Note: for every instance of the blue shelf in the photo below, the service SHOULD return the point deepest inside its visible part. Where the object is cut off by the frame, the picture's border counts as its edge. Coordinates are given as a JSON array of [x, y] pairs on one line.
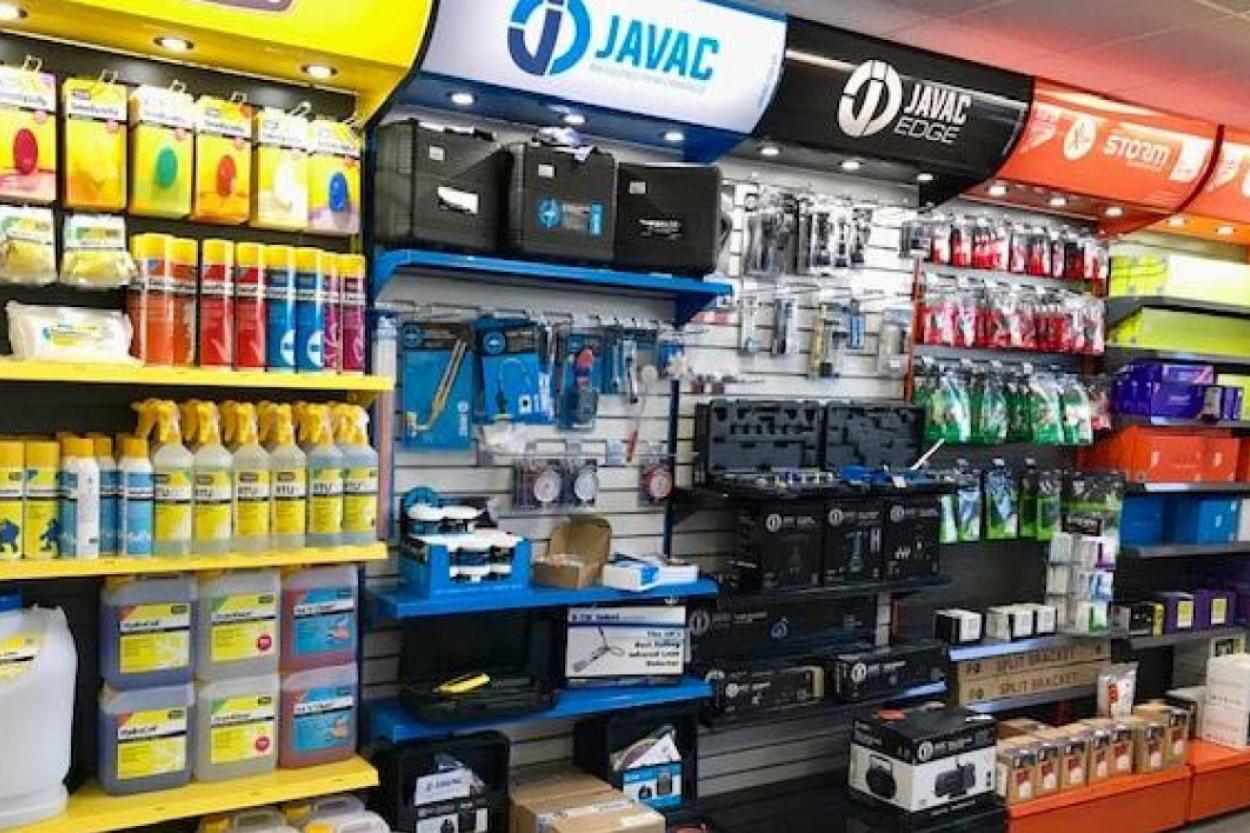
[[399, 602], [690, 296], [388, 720]]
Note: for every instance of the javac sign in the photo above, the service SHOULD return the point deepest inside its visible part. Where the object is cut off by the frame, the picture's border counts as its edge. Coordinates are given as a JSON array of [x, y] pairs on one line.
[[873, 99], [707, 62]]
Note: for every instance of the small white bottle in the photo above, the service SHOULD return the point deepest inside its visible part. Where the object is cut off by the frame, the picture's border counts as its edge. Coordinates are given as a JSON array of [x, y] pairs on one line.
[[134, 514], [79, 513]]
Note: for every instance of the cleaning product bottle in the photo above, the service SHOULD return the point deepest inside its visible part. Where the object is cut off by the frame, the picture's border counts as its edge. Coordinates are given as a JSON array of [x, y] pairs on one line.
[[325, 476], [318, 723], [288, 469], [79, 510], [110, 491], [213, 506], [145, 739], [147, 628], [134, 511], [38, 668], [236, 727], [302, 811], [41, 527], [251, 477], [319, 624], [12, 490], [238, 628], [360, 475], [172, 484]]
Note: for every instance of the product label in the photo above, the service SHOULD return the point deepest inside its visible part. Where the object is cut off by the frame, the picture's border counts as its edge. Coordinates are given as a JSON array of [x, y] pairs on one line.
[[171, 494], [136, 513], [251, 492], [290, 494], [243, 627], [241, 729], [158, 105], [17, 654], [360, 499], [323, 719], [87, 98], [277, 127], [151, 743], [41, 523], [11, 512], [656, 228], [325, 501], [213, 493], [154, 637], [324, 621]]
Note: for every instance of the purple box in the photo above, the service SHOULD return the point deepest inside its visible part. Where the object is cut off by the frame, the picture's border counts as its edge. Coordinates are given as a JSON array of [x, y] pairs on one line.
[[1241, 593], [1230, 404], [1223, 610], [1173, 400], [1185, 374], [1202, 609], [1178, 611]]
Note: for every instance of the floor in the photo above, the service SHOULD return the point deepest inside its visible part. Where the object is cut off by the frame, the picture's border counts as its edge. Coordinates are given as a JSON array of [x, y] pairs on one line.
[[1239, 823]]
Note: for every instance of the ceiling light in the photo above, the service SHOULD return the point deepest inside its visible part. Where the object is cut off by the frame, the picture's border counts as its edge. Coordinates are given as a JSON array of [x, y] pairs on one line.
[[463, 99], [924, 178], [770, 151], [574, 119], [1057, 202], [10, 12], [172, 44], [1114, 211], [674, 137], [851, 165], [998, 190], [1176, 222], [1226, 231], [319, 72]]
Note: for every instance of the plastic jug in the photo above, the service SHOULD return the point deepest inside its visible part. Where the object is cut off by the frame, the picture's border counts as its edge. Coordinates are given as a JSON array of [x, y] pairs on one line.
[[147, 630], [256, 818], [145, 738], [237, 624], [236, 728], [319, 623], [318, 716], [300, 813], [38, 665], [349, 823]]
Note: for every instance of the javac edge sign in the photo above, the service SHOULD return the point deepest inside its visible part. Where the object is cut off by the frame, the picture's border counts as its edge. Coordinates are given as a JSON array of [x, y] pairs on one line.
[[857, 95], [713, 63]]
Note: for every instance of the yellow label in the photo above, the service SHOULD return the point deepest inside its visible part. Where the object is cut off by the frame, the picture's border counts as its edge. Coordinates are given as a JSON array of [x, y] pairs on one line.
[[17, 654], [251, 511], [154, 637], [325, 501], [171, 505], [40, 526], [360, 499], [151, 743], [241, 729], [243, 627], [290, 497], [213, 495], [11, 491]]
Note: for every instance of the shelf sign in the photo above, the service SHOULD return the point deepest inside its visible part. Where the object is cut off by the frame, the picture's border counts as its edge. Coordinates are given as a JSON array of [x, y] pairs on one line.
[[1084, 143], [1227, 193], [711, 63]]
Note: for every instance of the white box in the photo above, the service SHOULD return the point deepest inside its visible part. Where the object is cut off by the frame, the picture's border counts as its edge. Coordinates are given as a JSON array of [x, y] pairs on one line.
[[646, 572], [1225, 726], [1045, 619], [606, 643], [1243, 525], [1006, 623], [1058, 579], [1061, 547]]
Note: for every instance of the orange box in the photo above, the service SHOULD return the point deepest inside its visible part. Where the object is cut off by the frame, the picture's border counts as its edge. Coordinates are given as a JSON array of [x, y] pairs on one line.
[[1220, 459], [1151, 455]]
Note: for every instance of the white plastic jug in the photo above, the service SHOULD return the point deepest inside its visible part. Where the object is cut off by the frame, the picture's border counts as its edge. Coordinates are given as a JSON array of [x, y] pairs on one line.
[[38, 664], [255, 820], [363, 822], [300, 813]]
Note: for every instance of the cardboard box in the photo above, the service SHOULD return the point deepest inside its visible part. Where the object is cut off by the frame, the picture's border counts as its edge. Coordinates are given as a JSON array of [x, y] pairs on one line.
[[1100, 763], [552, 788], [1020, 727], [575, 557], [605, 644], [1082, 652], [1027, 682], [1047, 766], [1120, 742], [1192, 700], [1176, 720], [611, 815], [1073, 746], [1226, 726], [1016, 777], [1149, 744]]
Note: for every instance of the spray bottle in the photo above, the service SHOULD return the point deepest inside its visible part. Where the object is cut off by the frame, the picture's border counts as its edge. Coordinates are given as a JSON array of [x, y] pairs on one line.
[[288, 477], [172, 483], [213, 507], [135, 504], [360, 474], [110, 489], [325, 475], [251, 477], [79, 510]]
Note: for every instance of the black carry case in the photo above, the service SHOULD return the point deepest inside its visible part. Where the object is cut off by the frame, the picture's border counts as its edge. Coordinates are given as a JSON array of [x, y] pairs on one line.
[[853, 537], [892, 669], [748, 689], [858, 434], [596, 740], [407, 772], [668, 218], [440, 188], [561, 207], [742, 435], [777, 625], [912, 537], [515, 649], [780, 545]]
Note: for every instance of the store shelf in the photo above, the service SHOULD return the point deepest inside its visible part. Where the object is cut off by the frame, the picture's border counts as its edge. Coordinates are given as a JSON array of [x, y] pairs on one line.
[[1119, 309], [389, 720], [690, 295], [1117, 357], [90, 810], [1125, 420], [1229, 487], [1008, 277], [1185, 550], [830, 710], [987, 650], [1146, 643], [1067, 361], [1134, 804], [803, 595], [1025, 701], [1220, 782], [398, 602], [152, 376], [30, 569]]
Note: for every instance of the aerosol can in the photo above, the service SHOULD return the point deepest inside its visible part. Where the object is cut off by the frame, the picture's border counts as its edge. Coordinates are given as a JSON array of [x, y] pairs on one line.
[[325, 475], [360, 474], [288, 477], [172, 468], [251, 477]]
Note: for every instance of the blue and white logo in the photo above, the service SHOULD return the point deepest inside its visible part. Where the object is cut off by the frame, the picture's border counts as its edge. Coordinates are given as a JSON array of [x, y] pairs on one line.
[[494, 343], [550, 18], [550, 214]]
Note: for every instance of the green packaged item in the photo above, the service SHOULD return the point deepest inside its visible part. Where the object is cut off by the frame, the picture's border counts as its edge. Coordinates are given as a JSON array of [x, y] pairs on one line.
[[1002, 503], [1049, 504], [1045, 411], [950, 527], [968, 504], [1092, 503], [1078, 419], [1018, 428], [1028, 500], [948, 410], [989, 409]]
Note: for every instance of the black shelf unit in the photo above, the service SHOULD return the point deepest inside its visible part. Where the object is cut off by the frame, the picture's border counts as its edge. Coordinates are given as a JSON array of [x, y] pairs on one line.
[[1185, 551], [1169, 640], [1065, 361], [1229, 488], [832, 710], [1125, 420]]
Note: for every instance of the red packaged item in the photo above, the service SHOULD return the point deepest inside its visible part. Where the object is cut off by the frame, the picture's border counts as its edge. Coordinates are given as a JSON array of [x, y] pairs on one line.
[[1037, 262], [217, 304], [961, 244], [940, 243], [1024, 327], [186, 261], [1000, 248], [150, 300], [966, 319], [351, 272], [1058, 254], [1018, 250], [999, 318], [249, 306], [1095, 321], [331, 346]]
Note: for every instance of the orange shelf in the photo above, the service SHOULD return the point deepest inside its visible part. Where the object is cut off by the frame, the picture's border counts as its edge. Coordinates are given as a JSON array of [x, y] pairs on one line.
[[1221, 780], [1140, 804]]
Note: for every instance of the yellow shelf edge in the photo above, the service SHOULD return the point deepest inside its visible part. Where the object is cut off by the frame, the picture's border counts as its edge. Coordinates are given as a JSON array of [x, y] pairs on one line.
[[30, 569], [105, 374], [91, 810]]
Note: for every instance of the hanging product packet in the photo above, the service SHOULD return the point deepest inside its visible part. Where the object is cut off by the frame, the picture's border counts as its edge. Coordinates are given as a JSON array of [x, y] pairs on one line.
[[1078, 426], [1045, 411], [968, 503], [27, 246], [95, 252], [1002, 503], [990, 414]]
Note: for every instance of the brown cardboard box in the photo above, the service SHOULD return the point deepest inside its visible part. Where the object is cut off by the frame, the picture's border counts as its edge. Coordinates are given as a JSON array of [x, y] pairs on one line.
[[1122, 744], [1016, 770], [578, 549], [1034, 681], [1177, 722], [1100, 765], [1149, 744], [1047, 767], [612, 816], [548, 791], [1073, 746], [1014, 664], [1018, 726]]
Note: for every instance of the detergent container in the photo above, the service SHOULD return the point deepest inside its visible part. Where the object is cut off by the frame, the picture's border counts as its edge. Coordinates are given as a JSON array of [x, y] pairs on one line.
[[360, 475], [147, 630], [318, 716], [253, 820], [352, 823], [237, 627], [319, 617], [300, 813], [145, 738], [236, 728], [38, 665], [325, 476]]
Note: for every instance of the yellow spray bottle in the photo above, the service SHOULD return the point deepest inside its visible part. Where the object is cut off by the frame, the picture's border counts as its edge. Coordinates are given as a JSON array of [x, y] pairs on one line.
[[251, 477], [360, 474], [288, 477], [213, 513], [173, 484], [325, 475]]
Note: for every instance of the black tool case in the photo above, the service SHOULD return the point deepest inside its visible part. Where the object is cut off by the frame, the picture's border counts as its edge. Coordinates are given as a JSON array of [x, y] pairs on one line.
[[780, 545], [872, 435], [439, 188], [408, 795], [746, 689], [777, 625], [668, 218], [742, 435], [562, 206], [853, 538], [598, 739]]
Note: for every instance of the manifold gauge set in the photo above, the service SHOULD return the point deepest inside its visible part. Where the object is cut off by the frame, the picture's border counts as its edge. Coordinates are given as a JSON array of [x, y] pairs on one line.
[[557, 482]]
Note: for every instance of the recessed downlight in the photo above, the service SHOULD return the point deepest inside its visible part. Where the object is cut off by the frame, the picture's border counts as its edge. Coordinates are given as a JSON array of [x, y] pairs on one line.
[[463, 99], [924, 178], [1114, 211], [574, 119], [1057, 202], [674, 137], [851, 165], [10, 12], [173, 44], [1226, 231], [998, 190], [319, 72], [1177, 221], [770, 151]]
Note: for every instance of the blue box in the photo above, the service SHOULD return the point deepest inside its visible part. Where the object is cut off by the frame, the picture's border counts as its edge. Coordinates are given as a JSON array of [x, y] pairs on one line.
[[1206, 520], [1142, 522]]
